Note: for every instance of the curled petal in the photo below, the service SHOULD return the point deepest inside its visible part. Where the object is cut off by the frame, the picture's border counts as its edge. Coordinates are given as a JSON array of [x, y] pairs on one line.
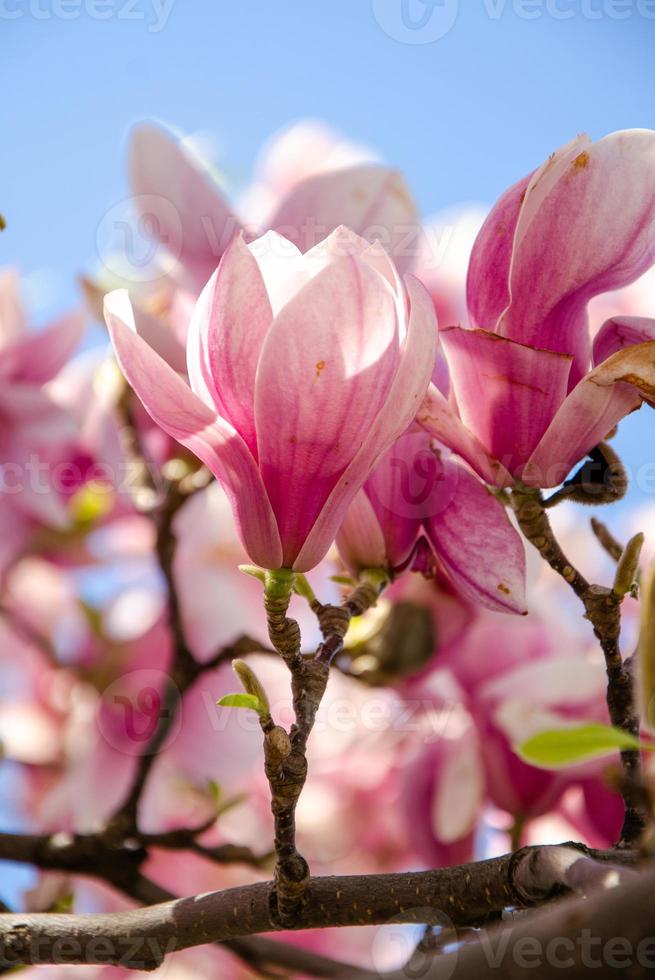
[[620, 332], [587, 226], [476, 543], [439, 417], [181, 413], [176, 193], [507, 394], [611, 391]]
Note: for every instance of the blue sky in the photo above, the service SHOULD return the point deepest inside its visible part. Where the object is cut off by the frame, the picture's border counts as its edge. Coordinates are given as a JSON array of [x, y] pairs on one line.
[[463, 115]]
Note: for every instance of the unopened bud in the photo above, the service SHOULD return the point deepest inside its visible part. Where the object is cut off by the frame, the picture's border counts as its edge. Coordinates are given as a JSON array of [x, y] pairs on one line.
[[628, 566], [252, 684], [647, 649]]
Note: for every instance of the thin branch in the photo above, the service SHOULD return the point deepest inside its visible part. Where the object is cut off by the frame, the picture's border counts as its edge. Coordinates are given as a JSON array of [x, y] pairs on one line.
[[606, 539], [603, 610], [285, 753]]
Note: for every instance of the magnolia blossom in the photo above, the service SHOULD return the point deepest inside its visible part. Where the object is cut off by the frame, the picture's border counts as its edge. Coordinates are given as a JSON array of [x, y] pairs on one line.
[[38, 437], [505, 681], [534, 395], [420, 508], [303, 371], [178, 196]]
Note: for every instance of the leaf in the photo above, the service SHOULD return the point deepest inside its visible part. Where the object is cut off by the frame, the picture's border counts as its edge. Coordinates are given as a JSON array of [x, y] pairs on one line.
[[240, 701], [566, 746]]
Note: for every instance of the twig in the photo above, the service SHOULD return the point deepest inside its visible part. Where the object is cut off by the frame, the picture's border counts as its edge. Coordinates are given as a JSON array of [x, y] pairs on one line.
[[606, 539], [285, 753], [603, 610]]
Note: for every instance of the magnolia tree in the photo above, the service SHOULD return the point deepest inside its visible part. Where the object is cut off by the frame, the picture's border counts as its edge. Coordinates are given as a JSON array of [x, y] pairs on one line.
[[270, 665]]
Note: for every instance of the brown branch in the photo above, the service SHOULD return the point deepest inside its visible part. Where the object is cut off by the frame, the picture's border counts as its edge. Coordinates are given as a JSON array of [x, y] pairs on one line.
[[141, 939], [603, 610], [93, 857], [285, 753], [606, 539]]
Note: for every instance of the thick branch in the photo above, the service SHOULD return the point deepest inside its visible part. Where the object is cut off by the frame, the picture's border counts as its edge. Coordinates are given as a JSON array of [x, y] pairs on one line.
[[141, 939]]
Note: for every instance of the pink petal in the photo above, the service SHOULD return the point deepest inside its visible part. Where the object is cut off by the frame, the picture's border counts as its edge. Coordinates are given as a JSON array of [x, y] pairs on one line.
[[608, 393], [176, 194], [586, 227], [161, 337], [36, 357], [487, 282], [371, 200], [325, 371], [227, 330], [438, 416], [507, 393], [360, 540], [12, 317], [281, 266], [182, 414], [399, 408], [404, 488], [621, 332], [476, 543]]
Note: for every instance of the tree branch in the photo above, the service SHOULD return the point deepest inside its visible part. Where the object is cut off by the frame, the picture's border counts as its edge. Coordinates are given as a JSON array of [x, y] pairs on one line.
[[141, 939], [603, 610]]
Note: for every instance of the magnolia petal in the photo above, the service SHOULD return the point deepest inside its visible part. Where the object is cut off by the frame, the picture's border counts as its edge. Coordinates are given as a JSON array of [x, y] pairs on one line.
[[438, 417], [403, 399], [12, 316], [487, 281], [476, 543], [175, 191], [611, 391], [227, 330], [360, 539], [404, 488], [586, 227], [372, 200], [507, 394], [36, 357], [181, 413], [620, 332], [325, 372]]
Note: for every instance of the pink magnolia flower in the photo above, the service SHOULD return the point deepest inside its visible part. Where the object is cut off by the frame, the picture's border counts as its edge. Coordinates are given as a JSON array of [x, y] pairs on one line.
[[443, 784], [37, 436], [534, 396], [303, 371], [506, 680], [177, 194], [422, 509]]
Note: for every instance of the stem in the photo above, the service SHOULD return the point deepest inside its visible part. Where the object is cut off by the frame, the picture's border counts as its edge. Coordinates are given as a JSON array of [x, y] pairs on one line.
[[285, 754], [603, 610]]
